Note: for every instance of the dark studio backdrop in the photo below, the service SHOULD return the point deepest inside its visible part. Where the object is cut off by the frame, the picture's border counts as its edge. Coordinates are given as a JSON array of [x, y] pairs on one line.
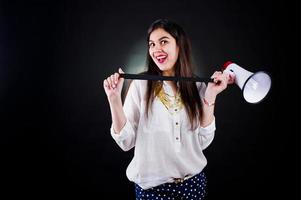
[[55, 118]]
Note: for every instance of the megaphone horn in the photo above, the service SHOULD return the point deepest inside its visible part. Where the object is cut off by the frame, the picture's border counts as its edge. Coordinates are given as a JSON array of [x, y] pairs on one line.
[[255, 86]]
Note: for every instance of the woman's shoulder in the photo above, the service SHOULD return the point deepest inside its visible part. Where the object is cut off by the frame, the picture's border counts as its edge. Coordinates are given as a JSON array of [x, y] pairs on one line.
[[139, 83], [200, 85], [138, 86]]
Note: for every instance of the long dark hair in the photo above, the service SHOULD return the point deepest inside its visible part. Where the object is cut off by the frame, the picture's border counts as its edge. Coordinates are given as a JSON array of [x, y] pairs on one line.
[[188, 90]]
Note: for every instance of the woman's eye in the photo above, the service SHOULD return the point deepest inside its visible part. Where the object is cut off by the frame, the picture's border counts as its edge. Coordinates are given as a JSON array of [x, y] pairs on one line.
[[151, 44], [163, 42]]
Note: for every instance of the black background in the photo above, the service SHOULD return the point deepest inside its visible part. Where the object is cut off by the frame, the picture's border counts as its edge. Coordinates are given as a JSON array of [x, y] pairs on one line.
[[55, 117]]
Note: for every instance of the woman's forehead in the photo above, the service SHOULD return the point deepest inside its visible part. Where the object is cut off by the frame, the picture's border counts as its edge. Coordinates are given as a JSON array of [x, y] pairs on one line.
[[158, 34]]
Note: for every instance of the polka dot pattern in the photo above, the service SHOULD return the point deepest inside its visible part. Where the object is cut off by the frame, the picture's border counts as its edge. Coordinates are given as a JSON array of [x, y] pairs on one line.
[[192, 188]]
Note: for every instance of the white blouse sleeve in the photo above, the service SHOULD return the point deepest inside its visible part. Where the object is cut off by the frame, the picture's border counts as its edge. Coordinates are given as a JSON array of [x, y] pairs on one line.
[[206, 134], [127, 136]]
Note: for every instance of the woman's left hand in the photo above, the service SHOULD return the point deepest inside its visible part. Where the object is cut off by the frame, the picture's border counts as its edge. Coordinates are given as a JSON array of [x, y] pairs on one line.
[[220, 82]]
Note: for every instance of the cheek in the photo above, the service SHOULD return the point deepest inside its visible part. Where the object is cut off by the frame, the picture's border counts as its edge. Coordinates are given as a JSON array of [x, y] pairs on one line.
[[177, 51], [175, 55], [150, 54], [174, 51]]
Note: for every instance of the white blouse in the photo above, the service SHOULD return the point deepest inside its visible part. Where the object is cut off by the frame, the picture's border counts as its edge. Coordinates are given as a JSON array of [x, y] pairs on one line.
[[165, 146]]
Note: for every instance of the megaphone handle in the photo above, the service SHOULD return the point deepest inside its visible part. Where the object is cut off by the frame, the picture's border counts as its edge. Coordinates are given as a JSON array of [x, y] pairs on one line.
[[231, 75]]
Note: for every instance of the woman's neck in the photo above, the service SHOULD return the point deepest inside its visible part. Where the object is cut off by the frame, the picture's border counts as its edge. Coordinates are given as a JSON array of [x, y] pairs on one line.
[[171, 83], [168, 73], [173, 86]]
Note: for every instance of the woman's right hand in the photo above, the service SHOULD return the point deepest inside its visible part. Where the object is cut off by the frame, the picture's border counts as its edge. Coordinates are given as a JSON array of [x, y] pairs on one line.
[[113, 85]]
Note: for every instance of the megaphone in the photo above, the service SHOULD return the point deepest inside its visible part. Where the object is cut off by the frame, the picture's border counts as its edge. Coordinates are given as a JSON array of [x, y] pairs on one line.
[[254, 86]]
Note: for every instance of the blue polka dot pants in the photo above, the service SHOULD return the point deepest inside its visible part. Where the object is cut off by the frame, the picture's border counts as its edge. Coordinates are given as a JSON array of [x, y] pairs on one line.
[[192, 188]]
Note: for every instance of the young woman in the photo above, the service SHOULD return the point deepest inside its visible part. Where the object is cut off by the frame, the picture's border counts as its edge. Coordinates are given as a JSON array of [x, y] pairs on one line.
[[169, 123]]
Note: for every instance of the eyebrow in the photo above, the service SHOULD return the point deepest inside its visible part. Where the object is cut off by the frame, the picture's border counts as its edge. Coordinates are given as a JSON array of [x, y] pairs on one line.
[[164, 37]]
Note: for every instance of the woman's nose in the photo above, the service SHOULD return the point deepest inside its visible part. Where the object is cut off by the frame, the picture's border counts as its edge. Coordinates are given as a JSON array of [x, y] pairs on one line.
[[158, 48]]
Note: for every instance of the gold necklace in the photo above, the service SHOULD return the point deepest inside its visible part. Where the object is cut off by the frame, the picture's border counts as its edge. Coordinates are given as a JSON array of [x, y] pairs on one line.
[[173, 106]]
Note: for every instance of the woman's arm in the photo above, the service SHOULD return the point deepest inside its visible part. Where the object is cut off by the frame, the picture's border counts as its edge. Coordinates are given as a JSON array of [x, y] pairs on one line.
[[113, 87], [213, 89]]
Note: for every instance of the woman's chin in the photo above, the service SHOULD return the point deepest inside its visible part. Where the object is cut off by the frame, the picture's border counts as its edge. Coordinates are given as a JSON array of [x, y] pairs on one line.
[[162, 68]]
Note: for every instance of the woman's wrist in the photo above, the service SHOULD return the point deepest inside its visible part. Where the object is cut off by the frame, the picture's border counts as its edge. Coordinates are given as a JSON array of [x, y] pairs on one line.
[[207, 102], [114, 100]]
